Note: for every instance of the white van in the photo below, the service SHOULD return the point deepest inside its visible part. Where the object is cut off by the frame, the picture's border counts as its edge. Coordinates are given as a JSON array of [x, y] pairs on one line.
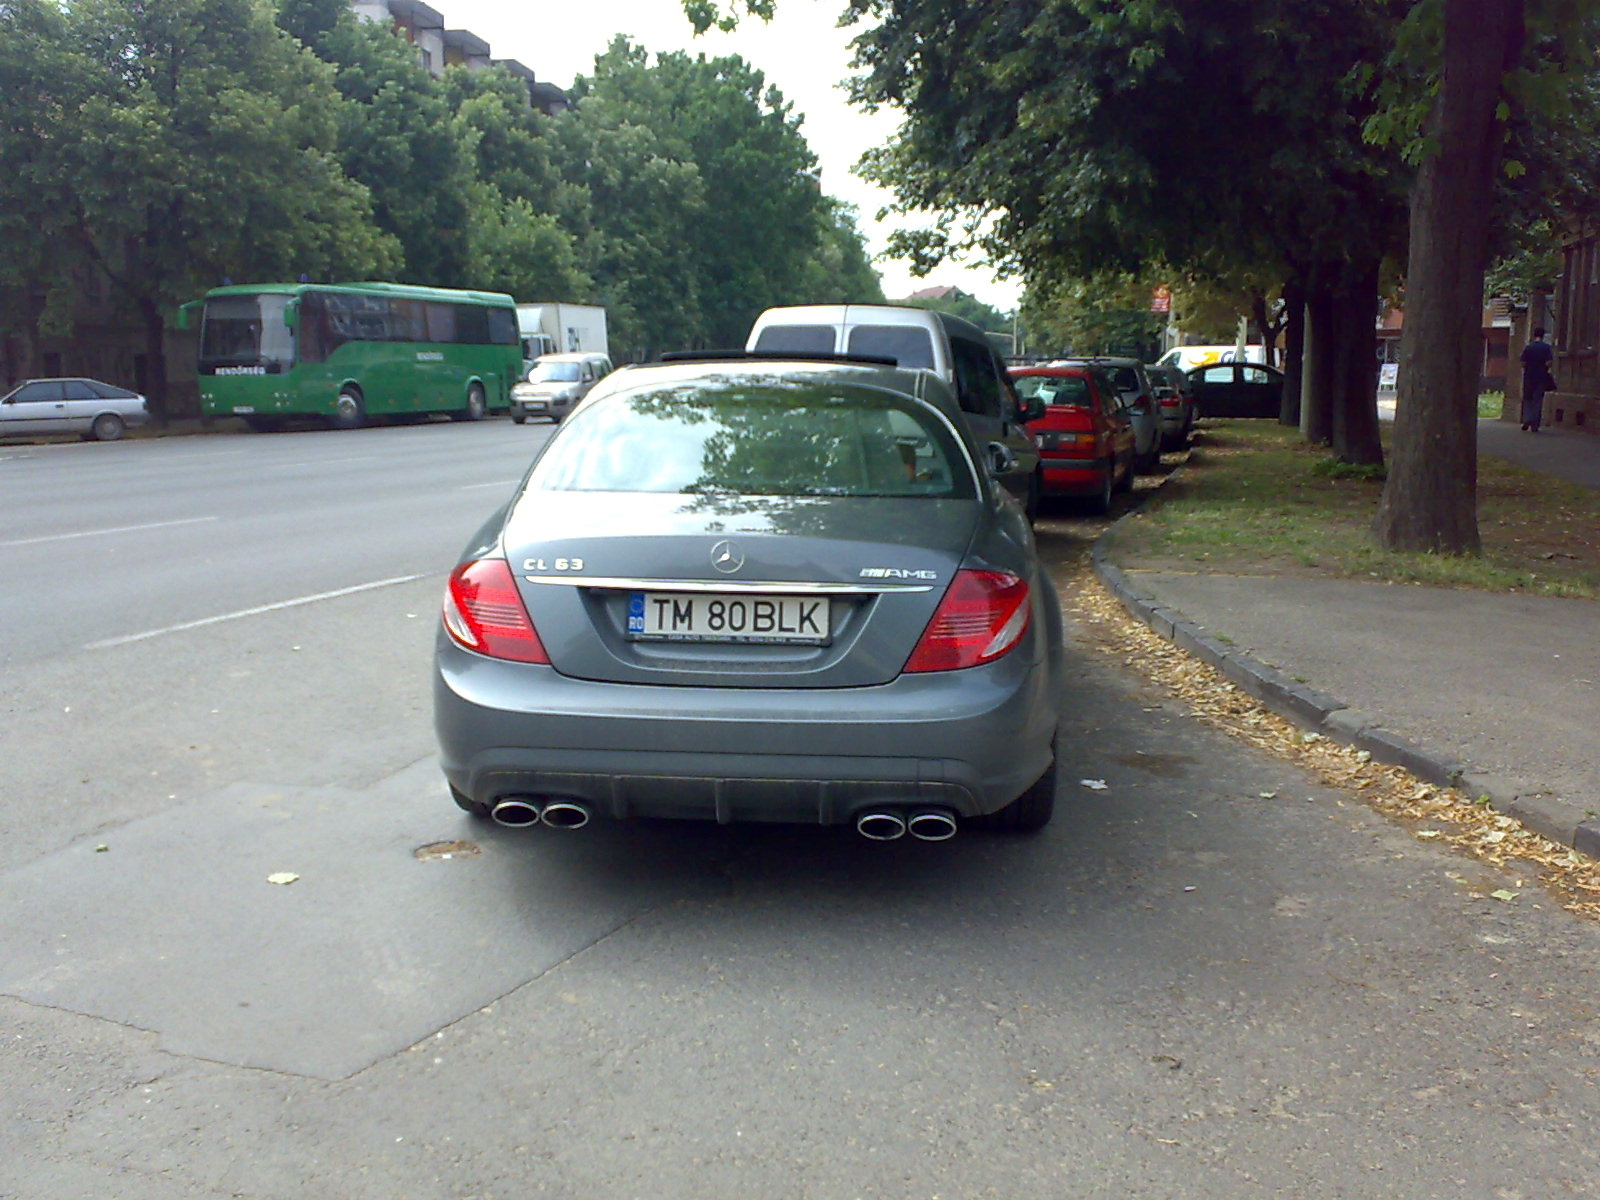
[[954, 349], [555, 384], [1186, 358]]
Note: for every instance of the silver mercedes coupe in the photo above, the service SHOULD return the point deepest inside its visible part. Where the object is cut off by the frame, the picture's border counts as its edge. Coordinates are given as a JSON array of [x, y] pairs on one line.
[[753, 588]]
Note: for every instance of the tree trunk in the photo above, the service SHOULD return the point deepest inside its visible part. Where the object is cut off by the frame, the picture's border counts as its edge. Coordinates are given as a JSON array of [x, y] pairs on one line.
[[1294, 349], [1318, 375], [155, 337], [1430, 499], [1355, 404]]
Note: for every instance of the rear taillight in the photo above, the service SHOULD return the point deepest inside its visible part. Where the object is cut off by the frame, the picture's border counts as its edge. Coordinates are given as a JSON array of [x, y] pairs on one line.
[[982, 616], [483, 612], [1056, 440]]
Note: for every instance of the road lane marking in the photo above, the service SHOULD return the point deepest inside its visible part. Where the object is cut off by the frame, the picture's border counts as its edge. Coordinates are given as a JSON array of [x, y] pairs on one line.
[[251, 612], [61, 537], [467, 487]]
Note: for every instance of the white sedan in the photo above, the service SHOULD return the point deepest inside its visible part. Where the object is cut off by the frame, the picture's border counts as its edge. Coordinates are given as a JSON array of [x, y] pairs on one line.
[[86, 407]]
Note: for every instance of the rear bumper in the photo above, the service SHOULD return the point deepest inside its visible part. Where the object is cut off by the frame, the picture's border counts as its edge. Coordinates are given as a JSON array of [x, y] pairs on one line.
[[970, 741], [1075, 477], [541, 406]]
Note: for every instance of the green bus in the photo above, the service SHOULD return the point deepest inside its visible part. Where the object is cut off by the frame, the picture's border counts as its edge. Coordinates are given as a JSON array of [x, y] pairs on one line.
[[343, 353]]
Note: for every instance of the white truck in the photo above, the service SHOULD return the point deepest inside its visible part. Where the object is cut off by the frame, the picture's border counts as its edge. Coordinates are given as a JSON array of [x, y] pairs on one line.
[[552, 327]]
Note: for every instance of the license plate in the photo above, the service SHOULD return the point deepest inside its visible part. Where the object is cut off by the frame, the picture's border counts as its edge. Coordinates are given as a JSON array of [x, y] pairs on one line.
[[719, 617]]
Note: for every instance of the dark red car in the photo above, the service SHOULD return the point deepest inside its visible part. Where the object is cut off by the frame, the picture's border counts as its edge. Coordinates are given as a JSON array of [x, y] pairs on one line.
[[1085, 438]]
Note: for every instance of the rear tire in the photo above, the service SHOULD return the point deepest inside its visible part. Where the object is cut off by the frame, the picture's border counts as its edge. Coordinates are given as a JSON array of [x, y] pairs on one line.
[[467, 804], [519, 418], [1125, 484], [1100, 503], [107, 427], [349, 411], [1030, 506], [1031, 811]]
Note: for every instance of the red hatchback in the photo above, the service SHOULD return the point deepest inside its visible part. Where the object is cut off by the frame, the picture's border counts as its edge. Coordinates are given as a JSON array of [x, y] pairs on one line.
[[1085, 438]]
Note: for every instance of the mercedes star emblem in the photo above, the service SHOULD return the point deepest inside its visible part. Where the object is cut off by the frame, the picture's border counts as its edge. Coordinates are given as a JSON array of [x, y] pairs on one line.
[[726, 557]]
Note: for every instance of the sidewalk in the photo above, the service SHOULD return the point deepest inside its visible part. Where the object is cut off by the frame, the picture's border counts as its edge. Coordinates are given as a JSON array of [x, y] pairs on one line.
[[1495, 693]]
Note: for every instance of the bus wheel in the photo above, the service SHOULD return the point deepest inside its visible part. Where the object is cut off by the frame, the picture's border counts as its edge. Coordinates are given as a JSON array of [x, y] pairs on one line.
[[475, 405], [348, 411]]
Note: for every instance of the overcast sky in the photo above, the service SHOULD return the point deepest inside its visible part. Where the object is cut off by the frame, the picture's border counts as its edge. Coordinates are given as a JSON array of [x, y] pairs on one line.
[[801, 52]]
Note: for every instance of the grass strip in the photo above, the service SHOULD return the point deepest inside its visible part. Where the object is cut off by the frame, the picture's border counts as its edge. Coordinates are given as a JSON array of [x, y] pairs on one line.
[[1256, 499]]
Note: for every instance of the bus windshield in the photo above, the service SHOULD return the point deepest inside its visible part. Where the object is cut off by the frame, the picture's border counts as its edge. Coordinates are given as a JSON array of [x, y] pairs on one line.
[[247, 331]]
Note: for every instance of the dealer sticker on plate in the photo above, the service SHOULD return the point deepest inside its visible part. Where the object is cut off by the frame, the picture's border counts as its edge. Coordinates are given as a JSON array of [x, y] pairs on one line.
[[718, 617]]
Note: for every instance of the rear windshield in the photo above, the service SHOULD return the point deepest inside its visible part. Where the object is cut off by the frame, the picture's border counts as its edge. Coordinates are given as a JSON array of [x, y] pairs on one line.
[[757, 438], [1055, 389], [796, 339], [908, 345], [1127, 379]]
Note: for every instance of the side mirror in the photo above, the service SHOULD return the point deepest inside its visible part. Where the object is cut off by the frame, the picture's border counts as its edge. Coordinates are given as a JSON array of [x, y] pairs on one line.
[[1001, 460]]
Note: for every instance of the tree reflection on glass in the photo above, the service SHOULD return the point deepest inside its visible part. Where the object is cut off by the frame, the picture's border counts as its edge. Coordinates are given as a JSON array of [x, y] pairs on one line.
[[729, 436]]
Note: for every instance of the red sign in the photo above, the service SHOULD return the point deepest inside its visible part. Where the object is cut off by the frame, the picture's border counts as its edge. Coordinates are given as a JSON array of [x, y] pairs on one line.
[[1161, 300]]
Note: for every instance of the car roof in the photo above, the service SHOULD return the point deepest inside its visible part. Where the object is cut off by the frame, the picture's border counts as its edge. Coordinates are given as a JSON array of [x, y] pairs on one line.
[[923, 385], [1054, 368], [856, 314], [1110, 360], [1236, 363], [571, 356]]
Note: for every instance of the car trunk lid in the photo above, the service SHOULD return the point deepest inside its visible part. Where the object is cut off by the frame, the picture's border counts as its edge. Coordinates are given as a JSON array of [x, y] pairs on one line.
[[735, 591]]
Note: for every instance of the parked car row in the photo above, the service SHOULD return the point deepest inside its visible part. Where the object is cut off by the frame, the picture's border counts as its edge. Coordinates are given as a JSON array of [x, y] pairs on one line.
[[1106, 419]]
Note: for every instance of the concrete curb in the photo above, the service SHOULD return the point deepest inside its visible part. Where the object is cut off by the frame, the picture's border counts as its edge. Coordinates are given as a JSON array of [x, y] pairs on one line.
[[1557, 819]]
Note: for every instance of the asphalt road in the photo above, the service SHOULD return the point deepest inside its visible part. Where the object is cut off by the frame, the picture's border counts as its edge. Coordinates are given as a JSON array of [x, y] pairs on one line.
[[1210, 977]]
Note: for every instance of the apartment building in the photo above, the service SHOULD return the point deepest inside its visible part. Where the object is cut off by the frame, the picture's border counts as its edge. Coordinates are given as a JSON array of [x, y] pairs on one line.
[[439, 47]]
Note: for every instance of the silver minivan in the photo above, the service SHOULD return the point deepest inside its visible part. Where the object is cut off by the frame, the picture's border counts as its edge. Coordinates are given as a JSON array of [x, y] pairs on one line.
[[86, 407], [954, 349], [555, 384]]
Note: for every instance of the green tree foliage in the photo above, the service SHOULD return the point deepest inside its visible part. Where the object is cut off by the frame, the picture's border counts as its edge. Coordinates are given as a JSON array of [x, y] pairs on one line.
[[1077, 137], [641, 201], [840, 270], [40, 80], [396, 136], [760, 218], [150, 149], [520, 210], [1106, 313], [181, 141]]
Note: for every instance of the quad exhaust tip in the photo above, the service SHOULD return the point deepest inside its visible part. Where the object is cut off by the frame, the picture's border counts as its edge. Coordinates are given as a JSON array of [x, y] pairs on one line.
[[925, 824], [932, 824], [880, 825], [522, 812]]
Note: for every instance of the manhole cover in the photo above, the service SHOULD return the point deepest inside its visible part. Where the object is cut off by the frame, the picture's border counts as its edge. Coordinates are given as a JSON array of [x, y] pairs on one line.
[[440, 850]]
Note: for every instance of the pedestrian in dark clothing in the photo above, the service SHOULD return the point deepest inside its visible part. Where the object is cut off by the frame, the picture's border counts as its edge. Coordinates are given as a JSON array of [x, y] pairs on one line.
[[1537, 359]]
